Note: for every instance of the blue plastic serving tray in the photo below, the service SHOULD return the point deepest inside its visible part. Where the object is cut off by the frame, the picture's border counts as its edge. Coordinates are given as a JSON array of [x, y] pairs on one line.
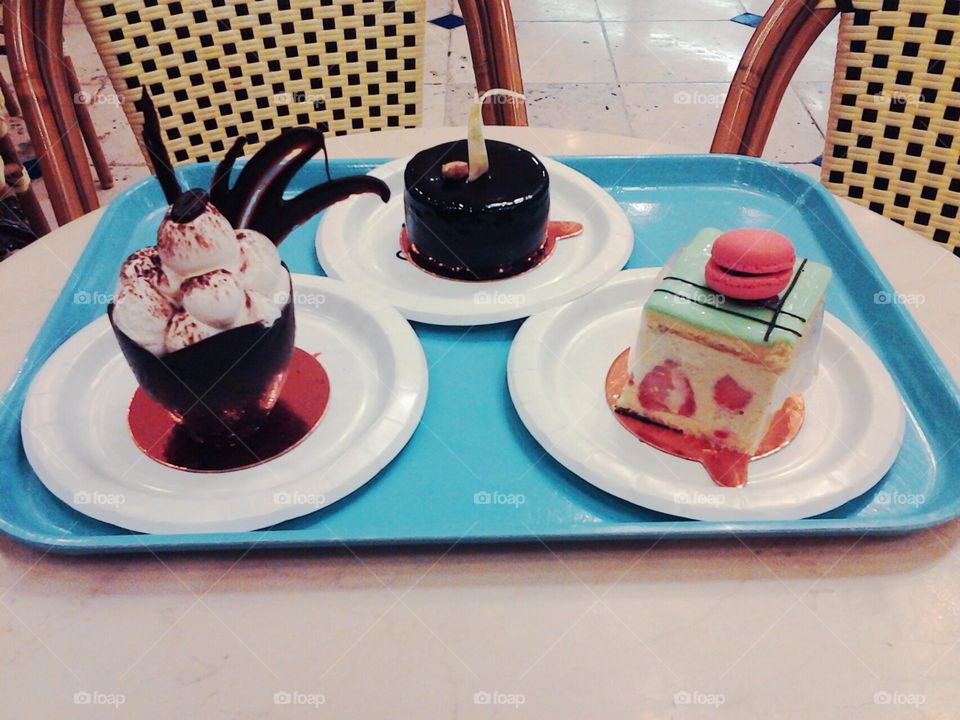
[[434, 491]]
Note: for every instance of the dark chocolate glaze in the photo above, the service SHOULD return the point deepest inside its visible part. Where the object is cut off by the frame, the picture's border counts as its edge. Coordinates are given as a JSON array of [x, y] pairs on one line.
[[490, 228], [220, 389]]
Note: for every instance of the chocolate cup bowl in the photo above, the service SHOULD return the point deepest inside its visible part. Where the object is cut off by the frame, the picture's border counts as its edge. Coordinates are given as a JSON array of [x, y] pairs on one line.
[[221, 389]]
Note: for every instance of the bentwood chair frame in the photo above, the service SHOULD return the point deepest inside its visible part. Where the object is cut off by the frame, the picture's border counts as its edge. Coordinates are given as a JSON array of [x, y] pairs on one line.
[[44, 83], [59, 127], [16, 181], [780, 42], [893, 133]]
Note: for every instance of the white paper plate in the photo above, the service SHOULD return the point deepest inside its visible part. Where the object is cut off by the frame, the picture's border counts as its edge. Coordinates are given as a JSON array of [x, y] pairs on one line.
[[76, 437], [358, 241], [558, 363]]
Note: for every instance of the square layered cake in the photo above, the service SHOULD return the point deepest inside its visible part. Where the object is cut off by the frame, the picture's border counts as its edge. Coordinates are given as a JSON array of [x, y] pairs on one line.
[[717, 367]]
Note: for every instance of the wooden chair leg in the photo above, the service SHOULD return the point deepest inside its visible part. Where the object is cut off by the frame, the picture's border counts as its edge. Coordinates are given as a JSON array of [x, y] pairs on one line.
[[15, 177], [53, 69], [496, 61], [20, 37], [779, 44], [483, 70], [506, 54], [809, 28], [33, 211], [87, 130], [9, 98]]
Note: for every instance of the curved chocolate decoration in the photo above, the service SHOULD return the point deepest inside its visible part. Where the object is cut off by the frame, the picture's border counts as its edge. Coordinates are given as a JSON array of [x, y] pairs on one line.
[[153, 141], [256, 199], [259, 205], [276, 217], [290, 146], [220, 183]]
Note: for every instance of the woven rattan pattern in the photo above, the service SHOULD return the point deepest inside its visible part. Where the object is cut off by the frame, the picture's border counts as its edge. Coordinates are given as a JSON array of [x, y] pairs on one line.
[[219, 69], [893, 138]]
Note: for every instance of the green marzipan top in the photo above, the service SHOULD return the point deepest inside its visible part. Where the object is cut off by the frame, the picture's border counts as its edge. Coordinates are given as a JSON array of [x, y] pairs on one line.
[[683, 294]]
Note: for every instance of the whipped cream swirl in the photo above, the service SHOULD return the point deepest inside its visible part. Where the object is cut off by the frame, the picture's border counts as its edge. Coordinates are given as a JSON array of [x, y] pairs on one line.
[[201, 278]]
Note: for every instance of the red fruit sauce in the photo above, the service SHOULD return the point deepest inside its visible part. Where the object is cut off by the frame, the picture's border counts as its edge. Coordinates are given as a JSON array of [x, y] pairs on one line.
[[727, 468]]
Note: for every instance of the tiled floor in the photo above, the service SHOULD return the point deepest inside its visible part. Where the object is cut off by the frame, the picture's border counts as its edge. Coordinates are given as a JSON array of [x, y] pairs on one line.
[[638, 67]]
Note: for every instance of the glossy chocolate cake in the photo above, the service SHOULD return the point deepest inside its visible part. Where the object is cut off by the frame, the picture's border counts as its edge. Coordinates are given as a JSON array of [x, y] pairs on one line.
[[483, 229]]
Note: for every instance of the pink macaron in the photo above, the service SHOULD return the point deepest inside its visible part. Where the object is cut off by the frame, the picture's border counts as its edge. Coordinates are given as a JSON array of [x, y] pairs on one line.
[[750, 264]]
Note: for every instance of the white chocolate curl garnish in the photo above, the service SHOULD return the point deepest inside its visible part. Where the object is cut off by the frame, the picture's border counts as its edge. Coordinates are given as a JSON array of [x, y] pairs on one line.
[[476, 145]]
